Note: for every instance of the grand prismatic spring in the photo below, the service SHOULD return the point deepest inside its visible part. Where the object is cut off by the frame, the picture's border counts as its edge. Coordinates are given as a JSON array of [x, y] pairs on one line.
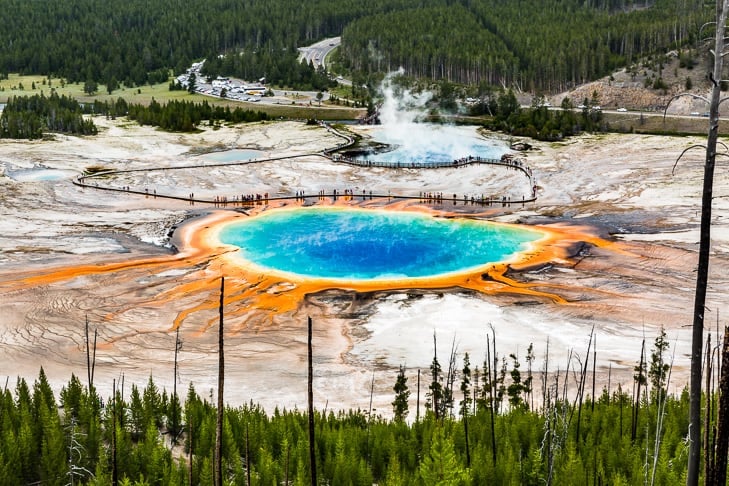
[[611, 248], [365, 244]]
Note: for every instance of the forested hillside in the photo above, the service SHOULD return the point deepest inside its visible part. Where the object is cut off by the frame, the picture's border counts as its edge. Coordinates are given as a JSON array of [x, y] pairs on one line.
[[500, 427], [530, 44], [533, 45]]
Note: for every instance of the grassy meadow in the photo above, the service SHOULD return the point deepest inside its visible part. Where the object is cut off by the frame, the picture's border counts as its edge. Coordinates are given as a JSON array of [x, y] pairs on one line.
[[22, 85]]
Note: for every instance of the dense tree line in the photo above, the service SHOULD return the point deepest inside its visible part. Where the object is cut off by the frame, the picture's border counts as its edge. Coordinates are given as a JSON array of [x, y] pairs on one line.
[[32, 116], [185, 116], [175, 115], [537, 121], [136, 41], [487, 431], [545, 44]]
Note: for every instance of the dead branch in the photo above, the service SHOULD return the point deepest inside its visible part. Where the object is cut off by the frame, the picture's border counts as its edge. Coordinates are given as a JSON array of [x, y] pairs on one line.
[[673, 170], [681, 95]]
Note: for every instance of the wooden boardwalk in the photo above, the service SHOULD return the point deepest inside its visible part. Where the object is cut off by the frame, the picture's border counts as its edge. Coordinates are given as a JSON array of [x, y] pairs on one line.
[[92, 181]]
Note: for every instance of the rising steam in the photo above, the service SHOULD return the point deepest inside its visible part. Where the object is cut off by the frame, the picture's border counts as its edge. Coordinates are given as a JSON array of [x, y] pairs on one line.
[[402, 115]]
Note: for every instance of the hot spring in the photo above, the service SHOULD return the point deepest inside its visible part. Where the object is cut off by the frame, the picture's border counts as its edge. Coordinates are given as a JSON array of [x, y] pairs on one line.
[[428, 142], [357, 244]]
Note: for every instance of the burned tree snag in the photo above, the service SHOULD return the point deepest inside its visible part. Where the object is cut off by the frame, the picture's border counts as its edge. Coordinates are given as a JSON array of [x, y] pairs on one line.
[[218, 467], [312, 449]]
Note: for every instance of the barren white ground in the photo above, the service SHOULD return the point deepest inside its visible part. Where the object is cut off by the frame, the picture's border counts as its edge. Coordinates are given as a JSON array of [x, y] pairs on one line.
[[621, 185]]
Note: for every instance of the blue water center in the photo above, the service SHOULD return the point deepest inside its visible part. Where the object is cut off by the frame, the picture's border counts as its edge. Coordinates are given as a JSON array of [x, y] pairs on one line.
[[233, 155], [364, 244]]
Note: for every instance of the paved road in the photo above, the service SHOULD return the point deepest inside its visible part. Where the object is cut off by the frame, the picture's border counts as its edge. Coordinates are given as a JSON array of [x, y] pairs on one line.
[[317, 53], [629, 113]]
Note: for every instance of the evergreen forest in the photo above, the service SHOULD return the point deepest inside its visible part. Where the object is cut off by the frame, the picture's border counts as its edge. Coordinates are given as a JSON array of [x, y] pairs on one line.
[[30, 117], [543, 45], [500, 423]]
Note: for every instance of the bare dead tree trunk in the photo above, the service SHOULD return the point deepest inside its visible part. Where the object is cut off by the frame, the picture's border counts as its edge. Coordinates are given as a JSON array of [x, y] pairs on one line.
[[702, 273], [88, 353], [175, 399], [121, 416], [661, 415], [114, 471], [369, 418], [551, 411], [594, 373], [581, 389], [708, 449], [177, 349], [545, 377], [417, 403], [722, 426], [372, 392], [620, 397], [475, 391], [495, 367], [436, 405], [218, 466], [312, 450], [491, 382], [450, 379], [93, 357], [90, 362], [610, 376], [636, 403]]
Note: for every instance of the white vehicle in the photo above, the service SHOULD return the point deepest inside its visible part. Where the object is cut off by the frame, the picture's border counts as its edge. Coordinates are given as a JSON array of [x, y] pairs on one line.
[[622, 110], [581, 107]]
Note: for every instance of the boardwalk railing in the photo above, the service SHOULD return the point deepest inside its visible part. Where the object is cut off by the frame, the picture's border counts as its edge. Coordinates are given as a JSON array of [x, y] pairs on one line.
[[420, 164], [92, 180]]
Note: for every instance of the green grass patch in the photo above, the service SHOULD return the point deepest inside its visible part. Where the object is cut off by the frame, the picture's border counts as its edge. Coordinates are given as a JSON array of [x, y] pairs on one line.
[[17, 85]]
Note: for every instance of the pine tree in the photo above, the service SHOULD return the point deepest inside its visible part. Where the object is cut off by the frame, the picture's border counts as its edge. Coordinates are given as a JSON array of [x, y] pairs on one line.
[[53, 460], [658, 370], [516, 387], [137, 423], [440, 466], [466, 386], [466, 403], [394, 476], [434, 398], [151, 404], [402, 394]]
